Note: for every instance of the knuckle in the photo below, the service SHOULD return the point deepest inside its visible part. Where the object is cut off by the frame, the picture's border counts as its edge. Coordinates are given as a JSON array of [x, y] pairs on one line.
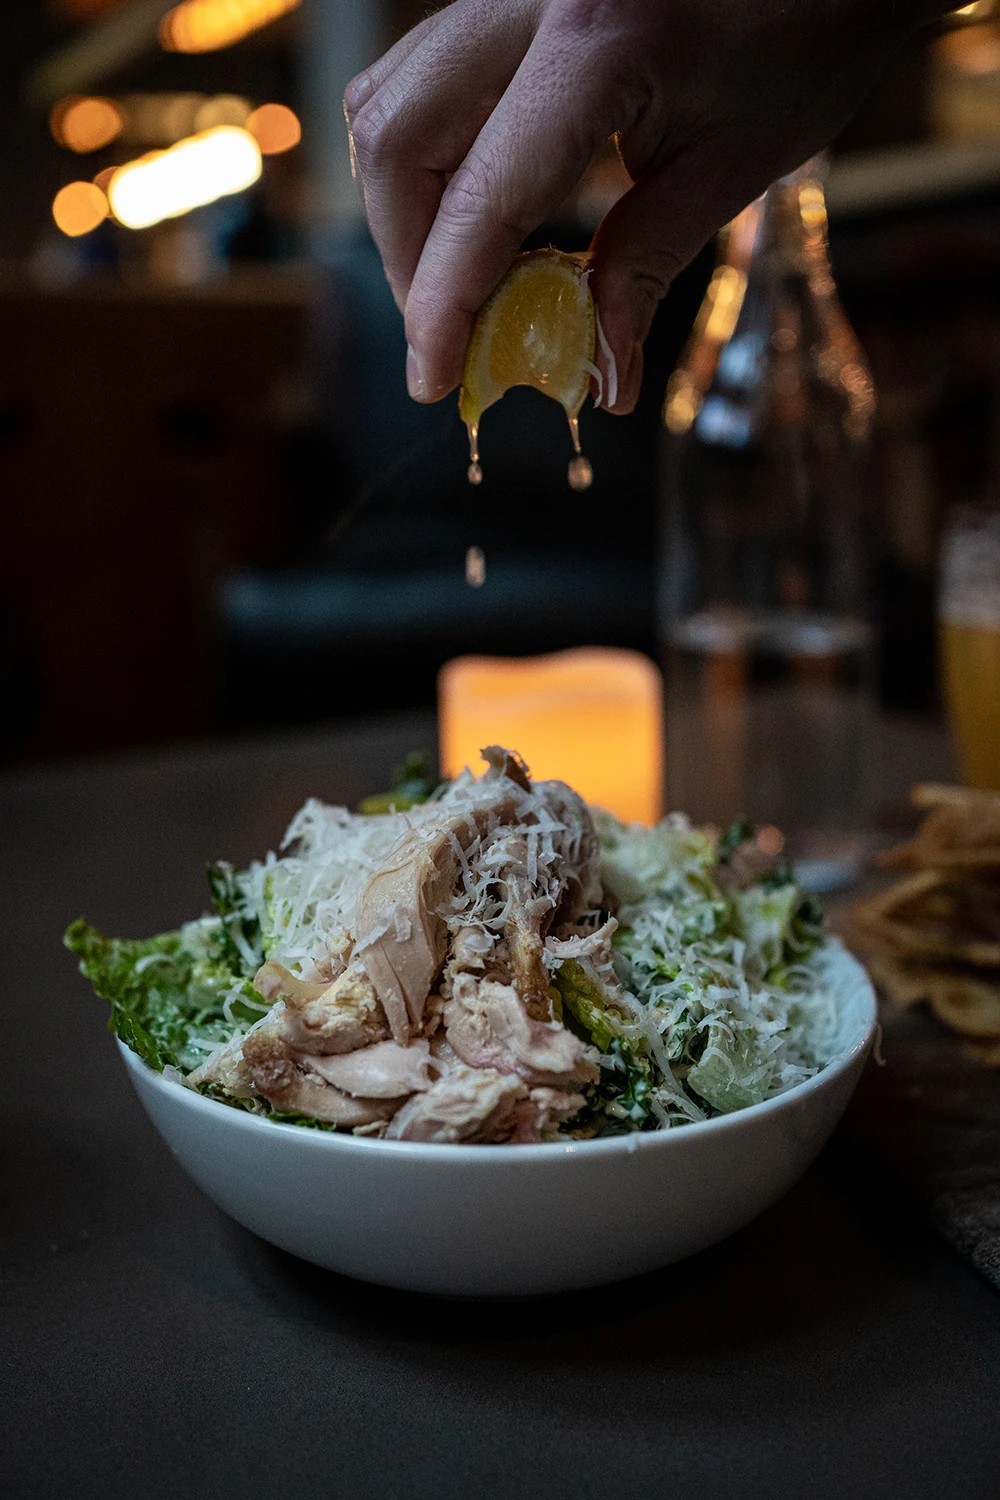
[[373, 132], [357, 93], [468, 195], [473, 198]]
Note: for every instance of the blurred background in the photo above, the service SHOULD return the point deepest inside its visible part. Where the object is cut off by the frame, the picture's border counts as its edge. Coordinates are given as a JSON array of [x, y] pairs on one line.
[[218, 509]]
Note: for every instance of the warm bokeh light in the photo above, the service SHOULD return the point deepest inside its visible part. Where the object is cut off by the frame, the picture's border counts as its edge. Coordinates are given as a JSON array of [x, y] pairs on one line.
[[206, 25], [591, 717], [79, 207], [86, 124], [275, 128], [222, 109], [103, 179], [196, 171], [162, 119]]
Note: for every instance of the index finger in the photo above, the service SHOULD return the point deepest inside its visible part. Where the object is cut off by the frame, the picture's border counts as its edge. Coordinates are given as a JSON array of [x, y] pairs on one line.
[[420, 122], [532, 150]]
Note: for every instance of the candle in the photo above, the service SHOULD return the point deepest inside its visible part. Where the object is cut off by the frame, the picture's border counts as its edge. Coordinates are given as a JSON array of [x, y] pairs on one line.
[[591, 717]]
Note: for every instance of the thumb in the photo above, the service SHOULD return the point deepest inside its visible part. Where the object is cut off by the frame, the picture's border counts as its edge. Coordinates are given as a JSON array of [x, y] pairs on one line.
[[644, 241]]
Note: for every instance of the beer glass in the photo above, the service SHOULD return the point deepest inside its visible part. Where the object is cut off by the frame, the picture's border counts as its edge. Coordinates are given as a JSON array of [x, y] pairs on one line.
[[969, 642]]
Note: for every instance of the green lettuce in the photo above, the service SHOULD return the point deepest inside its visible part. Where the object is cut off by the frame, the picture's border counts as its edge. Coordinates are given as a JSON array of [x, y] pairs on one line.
[[717, 969], [240, 943], [412, 782], [733, 1071], [582, 997], [626, 1081], [167, 998]]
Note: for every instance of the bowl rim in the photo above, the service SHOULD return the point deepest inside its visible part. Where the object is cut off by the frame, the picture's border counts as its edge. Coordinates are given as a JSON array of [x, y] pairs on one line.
[[430, 1151]]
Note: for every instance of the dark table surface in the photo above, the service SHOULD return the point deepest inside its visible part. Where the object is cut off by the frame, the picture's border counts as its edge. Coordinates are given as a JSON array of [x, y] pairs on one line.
[[150, 1347]]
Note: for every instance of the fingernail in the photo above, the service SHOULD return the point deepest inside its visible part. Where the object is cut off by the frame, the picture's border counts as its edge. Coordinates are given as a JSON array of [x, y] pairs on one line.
[[415, 382]]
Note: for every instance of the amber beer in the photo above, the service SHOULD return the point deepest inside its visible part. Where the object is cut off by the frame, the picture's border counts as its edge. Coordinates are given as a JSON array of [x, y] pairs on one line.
[[970, 660], [970, 644]]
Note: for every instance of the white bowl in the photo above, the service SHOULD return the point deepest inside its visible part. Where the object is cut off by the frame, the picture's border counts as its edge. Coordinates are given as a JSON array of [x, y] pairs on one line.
[[503, 1221]]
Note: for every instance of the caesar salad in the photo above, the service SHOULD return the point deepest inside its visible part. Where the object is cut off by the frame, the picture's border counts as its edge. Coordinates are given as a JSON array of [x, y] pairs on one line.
[[486, 960]]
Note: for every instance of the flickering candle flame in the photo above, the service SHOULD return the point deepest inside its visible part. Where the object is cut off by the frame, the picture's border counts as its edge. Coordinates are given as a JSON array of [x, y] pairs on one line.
[[591, 717]]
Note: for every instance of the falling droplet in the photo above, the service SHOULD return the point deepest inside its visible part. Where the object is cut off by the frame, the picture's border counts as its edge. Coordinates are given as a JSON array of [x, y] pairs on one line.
[[475, 567], [580, 473], [475, 472]]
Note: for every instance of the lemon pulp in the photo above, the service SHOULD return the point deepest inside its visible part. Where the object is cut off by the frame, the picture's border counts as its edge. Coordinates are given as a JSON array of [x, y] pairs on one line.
[[538, 328]]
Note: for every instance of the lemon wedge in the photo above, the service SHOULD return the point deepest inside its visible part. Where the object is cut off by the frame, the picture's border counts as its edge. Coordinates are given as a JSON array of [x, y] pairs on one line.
[[538, 328]]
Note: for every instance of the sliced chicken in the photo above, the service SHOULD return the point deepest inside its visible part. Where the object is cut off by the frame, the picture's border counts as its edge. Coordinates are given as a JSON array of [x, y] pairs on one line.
[[488, 1026], [225, 1068], [474, 950], [471, 949], [444, 1053], [384, 1071], [329, 1018], [508, 862], [272, 980], [287, 1081], [541, 1113], [484, 892], [469, 1105], [527, 915], [401, 937], [547, 866]]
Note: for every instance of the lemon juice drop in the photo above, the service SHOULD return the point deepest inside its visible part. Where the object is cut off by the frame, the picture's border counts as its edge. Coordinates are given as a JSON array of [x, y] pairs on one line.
[[475, 470], [580, 474]]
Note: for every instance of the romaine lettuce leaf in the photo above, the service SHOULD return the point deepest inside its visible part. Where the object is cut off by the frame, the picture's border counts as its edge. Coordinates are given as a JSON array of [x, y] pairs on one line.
[[241, 948], [626, 1075], [732, 1072], [168, 1003], [582, 997], [413, 782]]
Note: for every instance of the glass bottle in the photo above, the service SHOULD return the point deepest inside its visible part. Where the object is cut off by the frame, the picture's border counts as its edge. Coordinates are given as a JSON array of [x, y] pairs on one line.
[[764, 608]]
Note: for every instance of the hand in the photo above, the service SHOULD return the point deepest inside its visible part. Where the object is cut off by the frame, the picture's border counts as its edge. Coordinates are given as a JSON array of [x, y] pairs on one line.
[[479, 122]]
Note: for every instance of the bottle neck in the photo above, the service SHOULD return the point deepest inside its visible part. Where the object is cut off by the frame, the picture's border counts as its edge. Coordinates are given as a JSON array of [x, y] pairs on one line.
[[775, 262], [793, 225]]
